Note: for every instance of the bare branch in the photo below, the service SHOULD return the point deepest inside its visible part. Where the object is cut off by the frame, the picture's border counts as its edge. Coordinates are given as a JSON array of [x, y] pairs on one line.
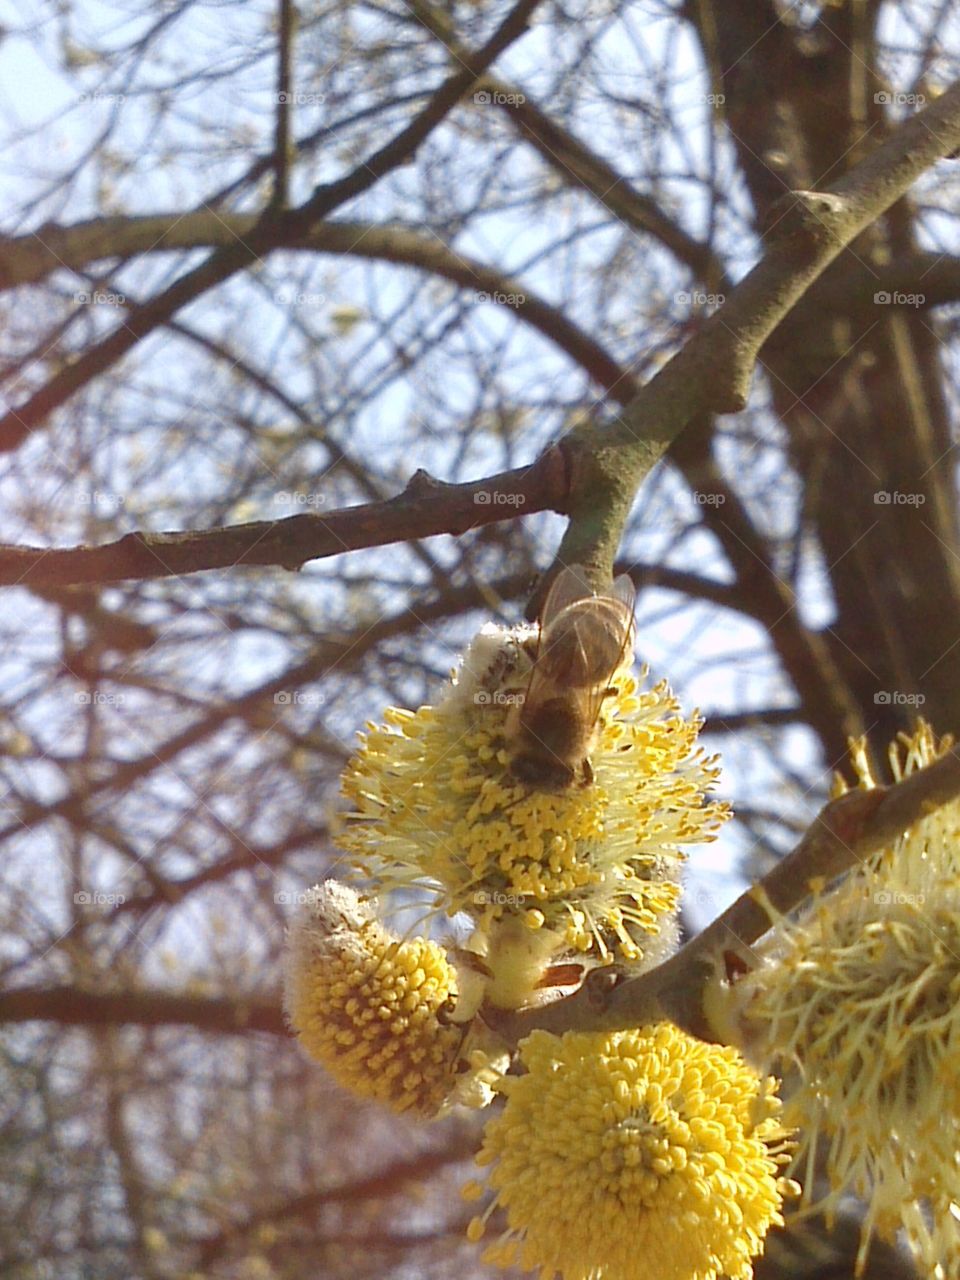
[[391, 1180], [712, 372], [273, 230], [73, 1007], [282, 133], [845, 832], [580, 166], [425, 508], [24, 259]]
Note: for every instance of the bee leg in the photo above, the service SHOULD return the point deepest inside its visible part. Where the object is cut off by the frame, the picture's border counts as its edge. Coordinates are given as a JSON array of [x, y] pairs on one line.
[[586, 770], [446, 1012]]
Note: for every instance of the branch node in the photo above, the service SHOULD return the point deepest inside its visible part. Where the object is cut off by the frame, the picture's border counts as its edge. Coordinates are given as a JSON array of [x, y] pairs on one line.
[[423, 485], [805, 218], [599, 983], [732, 392]]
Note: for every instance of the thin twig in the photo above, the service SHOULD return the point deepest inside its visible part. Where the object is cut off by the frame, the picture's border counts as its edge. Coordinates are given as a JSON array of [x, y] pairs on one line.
[[282, 132], [275, 230], [426, 507]]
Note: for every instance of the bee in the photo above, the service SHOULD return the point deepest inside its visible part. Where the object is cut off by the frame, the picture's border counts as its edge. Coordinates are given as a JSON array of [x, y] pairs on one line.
[[583, 637], [511, 967]]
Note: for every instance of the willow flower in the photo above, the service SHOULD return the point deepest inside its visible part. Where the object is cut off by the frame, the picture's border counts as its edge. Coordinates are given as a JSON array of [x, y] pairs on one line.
[[861, 994], [633, 1155], [436, 807], [368, 1006]]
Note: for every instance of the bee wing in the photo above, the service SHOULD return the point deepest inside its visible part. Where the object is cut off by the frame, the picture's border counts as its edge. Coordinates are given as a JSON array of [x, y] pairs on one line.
[[625, 594], [541, 684], [569, 586], [624, 591], [621, 597], [574, 617], [593, 697], [572, 585]]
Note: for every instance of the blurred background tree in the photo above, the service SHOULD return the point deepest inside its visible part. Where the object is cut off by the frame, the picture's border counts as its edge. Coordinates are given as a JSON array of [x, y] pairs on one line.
[[180, 354]]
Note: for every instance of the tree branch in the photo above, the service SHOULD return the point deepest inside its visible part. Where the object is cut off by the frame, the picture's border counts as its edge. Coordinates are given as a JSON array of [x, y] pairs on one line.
[[712, 373], [386, 1182], [578, 165], [74, 1007], [344, 652], [275, 229], [845, 832], [24, 259], [425, 508], [281, 137], [594, 474]]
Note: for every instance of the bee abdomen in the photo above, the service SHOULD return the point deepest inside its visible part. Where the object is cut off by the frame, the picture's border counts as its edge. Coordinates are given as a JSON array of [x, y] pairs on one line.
[[808, 1250]]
